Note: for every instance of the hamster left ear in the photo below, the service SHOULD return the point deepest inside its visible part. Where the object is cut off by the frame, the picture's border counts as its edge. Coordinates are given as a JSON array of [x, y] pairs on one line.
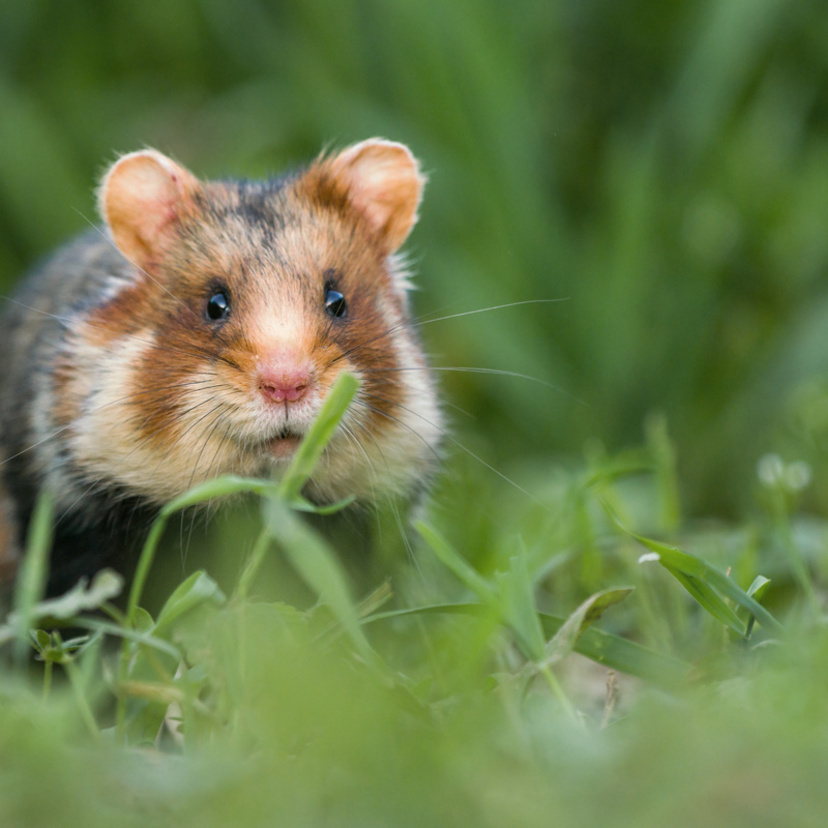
[[383, 180], [142, 198]]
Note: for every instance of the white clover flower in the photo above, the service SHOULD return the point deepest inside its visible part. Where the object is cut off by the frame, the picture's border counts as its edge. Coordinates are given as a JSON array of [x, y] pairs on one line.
[[798, 475], [772, 471]]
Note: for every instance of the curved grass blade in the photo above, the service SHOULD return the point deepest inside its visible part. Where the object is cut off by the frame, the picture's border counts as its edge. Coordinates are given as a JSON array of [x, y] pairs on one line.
[[510, 597], [708, 599], [709, 580], [199, 588], [564, 640], [136, 636], [458, 565], [318, 435], [314, 560], [604, 648], [756, 590], [706, 581]]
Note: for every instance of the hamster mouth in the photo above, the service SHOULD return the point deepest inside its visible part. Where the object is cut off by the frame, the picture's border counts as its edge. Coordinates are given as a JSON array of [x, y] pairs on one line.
[[284, 444]]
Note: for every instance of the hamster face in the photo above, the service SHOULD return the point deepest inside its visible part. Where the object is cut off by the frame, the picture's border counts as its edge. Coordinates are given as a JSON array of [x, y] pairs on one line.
[[242, 303]]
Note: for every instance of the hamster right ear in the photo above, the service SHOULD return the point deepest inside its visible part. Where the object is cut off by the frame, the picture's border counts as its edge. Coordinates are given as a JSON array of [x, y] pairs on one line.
[[383, 181], [142, 198]]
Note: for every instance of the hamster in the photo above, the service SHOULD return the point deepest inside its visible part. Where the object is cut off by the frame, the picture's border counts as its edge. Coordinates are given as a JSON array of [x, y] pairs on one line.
[[196, 334]]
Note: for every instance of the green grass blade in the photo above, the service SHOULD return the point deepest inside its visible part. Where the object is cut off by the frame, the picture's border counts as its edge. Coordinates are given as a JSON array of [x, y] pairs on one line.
[[224, 486], [299, 504], [34, 570], [517, 601], [709, 600], [317, 437], [513, 600], [314, 560], [136, 636], [674, 560], [627, 656], [198, 589], [756, 590], [209, 490], [458, 565], [566, 638], [713, 581], [602, 647], [758, 587]]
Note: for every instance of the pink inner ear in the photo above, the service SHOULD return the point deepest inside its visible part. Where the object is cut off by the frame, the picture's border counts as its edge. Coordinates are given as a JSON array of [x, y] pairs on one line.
[[384, 182], [142, 198]]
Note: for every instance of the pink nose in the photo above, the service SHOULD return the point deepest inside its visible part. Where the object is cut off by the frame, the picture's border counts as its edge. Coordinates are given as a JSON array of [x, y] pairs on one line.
[[284, 383]]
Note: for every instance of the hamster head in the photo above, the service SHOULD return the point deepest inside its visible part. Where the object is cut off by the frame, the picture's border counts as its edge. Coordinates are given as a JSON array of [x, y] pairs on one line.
[[237, 306]]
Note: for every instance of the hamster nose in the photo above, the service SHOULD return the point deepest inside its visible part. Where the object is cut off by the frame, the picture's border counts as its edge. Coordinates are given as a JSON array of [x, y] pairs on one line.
[[284, 382]]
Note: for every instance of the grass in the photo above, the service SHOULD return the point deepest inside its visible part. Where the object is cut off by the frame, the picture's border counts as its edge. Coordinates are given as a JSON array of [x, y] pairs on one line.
[[634, 633], [687, 689]]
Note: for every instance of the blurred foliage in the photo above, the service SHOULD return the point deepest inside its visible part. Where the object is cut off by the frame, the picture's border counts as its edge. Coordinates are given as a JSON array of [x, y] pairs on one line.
[[466, 706], [661, 168]]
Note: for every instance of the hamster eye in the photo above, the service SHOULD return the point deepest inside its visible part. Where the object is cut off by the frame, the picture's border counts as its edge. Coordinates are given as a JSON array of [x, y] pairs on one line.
[[335, 303], [218, 306]]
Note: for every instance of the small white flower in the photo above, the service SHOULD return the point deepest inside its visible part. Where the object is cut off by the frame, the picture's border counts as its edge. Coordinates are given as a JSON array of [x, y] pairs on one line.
[[773, 471], [798, 475], [770, 469]]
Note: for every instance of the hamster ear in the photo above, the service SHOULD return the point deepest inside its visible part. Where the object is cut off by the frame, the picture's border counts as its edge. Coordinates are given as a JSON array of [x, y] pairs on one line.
[[142, 198], [383, 181]]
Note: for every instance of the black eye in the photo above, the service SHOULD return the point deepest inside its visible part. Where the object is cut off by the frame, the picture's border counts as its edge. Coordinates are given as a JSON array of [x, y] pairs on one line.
[[218, 306], [335, 303]]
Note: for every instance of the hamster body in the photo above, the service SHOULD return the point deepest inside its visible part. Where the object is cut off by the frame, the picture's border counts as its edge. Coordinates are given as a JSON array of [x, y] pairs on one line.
[[197, 334]]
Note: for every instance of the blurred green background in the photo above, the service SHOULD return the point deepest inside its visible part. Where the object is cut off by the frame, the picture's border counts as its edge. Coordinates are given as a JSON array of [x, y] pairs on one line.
[[662, 168]]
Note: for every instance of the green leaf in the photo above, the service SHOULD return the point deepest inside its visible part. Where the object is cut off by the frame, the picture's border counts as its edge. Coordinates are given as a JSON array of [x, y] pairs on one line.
[[516, 600], [314, 560], [709, 599], [758, 587], [707, 581], [136, 636], [225, 486], [318, 436], [196, 590], [300, 504], [458, 565], [565, 639], [142, 621], [52, 648], [703, 581], [41, 639], [105, 585], [756, 590]]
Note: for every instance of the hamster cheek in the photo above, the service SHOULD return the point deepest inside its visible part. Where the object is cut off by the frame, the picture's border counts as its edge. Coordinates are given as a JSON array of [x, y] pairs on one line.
[[211, 423], [403, 436], [420, 417], [143, 424], [105, 437]]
